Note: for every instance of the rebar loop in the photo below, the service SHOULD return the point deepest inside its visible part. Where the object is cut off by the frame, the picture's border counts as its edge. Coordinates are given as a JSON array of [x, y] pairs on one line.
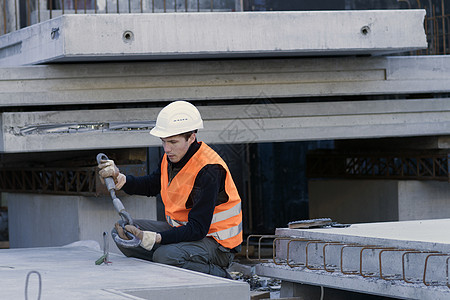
[[394, 276], [306, 263], [425, 267], [288, 251], [306, 254], [365, 275], [403, 263], [342, 259], [446, 271], [324, 254], [261, 237], [274, 250]]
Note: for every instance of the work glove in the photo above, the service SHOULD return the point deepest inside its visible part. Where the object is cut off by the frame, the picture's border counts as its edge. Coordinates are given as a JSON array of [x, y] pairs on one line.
[[148, 238], [109, 169]]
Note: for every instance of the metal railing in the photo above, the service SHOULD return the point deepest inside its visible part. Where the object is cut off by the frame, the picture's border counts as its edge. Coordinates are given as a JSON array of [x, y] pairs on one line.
[[16, 16], [402, 166], [77, 181], [437, 27]]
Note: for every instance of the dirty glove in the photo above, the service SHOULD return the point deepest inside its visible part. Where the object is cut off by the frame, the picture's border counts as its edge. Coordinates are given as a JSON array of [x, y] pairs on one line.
[[148, 238], [109, 169], [121, 231]]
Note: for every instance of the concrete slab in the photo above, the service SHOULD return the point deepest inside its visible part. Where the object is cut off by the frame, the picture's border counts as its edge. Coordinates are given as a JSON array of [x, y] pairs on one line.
[[400, 271], [70, 273], [162, 81], [226, 124], [418, 234], [68, 218], [83, 37]]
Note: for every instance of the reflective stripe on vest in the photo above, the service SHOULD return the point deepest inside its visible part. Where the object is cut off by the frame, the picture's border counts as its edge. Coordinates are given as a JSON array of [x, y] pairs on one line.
[[227, 233], [174, 223], [234, 211], [221, 216]]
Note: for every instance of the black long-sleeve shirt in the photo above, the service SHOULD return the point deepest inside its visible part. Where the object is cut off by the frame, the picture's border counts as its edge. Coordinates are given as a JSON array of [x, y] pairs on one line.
[[208, 191]]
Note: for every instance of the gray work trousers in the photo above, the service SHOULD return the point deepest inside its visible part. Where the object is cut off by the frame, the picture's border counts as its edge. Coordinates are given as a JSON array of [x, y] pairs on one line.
[[206, 256]]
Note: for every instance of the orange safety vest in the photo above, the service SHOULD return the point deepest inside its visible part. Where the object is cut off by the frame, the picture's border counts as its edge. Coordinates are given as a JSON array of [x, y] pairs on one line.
[[226, 224]]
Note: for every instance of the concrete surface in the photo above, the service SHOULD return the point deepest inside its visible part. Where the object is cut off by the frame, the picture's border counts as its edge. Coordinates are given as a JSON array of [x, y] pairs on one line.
[[210, 80], [418, 234], [356, 201], [420, 200], [70, 273], [228, 124], [84, 37], [55, 220], [364, 257]]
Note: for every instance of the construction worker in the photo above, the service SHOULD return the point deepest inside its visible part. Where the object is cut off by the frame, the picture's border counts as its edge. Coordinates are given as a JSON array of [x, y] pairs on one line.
[[203, 228]]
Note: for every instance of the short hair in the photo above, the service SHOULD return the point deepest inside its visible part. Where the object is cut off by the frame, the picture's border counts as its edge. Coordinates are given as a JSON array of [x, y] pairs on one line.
[[188, 134]]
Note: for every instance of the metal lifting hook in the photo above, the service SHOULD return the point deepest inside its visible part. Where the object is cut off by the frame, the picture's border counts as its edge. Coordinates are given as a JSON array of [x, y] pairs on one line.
[[124, 215]]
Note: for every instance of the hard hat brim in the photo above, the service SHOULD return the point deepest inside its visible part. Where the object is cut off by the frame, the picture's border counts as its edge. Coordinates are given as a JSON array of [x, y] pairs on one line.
[[155, 131], [160, 133]]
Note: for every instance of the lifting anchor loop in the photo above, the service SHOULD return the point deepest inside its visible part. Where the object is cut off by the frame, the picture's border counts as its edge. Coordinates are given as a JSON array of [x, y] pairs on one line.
[[133, 241]]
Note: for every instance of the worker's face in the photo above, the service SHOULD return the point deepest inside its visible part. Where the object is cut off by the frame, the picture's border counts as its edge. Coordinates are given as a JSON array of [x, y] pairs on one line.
[[176, 146]]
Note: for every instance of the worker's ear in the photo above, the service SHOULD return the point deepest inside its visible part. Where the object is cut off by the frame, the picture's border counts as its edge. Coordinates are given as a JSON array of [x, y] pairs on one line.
[[191, 139]]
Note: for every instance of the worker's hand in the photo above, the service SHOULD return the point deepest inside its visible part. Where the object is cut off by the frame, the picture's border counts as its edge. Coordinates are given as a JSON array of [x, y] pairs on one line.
[[148, 238], [120, 232], [109, 169], [135, 231]]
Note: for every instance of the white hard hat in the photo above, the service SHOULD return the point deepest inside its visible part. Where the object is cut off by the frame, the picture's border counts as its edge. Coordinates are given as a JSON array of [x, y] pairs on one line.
[[176, 118]]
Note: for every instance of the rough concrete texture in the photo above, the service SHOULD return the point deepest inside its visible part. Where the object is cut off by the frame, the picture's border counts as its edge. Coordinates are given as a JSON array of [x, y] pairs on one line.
[[70, 273], [385, 253], [356, 201], [209, 80], [83, 37], [418, 200], [229, 124], [354, 283], [55, 220]]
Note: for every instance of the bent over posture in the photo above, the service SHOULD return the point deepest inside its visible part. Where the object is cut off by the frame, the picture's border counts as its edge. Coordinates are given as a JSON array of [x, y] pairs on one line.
[[203, 227]]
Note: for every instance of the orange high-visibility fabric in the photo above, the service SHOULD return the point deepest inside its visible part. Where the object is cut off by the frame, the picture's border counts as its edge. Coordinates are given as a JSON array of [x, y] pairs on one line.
[[228, 231]]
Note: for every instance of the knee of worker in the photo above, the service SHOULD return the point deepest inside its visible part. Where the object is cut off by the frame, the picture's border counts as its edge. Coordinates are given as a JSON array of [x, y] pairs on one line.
[[170, 255]]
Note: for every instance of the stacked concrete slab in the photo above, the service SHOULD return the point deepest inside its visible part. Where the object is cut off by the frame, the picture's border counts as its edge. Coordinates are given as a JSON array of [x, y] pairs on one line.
[[96, 37], [207, 81]]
